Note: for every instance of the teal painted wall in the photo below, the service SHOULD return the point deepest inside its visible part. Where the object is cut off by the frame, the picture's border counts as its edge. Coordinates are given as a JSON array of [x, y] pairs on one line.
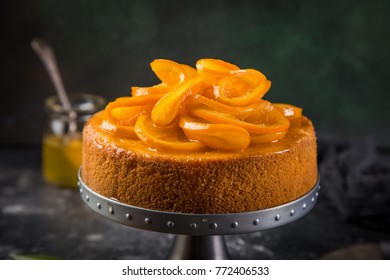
[[329, 57]]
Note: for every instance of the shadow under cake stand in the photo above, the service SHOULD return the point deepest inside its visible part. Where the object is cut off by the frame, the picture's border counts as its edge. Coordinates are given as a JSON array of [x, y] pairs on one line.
[[198, 236]]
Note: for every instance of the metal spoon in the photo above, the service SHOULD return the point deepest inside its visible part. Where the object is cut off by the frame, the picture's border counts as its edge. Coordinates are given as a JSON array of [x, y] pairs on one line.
[[46, 54]]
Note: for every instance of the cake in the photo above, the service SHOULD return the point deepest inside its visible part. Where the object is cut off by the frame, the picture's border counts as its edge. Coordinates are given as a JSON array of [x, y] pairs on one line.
[[202, 141]]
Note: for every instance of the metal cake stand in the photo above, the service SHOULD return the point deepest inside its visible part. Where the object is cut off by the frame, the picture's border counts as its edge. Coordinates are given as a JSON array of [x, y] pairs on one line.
[[198, 236]]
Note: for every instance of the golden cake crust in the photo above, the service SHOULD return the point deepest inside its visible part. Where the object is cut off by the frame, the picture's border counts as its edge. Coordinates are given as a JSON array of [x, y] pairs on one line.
[[263, 176]]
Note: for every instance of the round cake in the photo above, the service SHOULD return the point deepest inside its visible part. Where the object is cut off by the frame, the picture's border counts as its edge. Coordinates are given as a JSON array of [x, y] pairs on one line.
[[203, 141]]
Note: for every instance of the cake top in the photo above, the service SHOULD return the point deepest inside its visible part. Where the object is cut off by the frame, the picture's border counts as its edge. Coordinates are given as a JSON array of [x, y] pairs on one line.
[[216, 105]]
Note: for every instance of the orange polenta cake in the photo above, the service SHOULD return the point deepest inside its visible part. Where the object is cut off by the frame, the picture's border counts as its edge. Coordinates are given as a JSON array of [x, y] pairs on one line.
[[204, 141]]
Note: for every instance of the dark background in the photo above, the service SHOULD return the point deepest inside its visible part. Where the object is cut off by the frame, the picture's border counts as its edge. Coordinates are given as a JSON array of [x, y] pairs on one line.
[[329, 57]]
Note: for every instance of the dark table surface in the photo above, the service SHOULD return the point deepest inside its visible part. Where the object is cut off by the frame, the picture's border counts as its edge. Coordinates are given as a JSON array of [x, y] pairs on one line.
[[37, 219]]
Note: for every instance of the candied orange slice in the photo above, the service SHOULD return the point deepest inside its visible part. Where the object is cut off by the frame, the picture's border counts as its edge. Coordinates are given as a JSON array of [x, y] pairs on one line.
[[168, 71], [171, 72], [241, 81], [121, 114], [168, 107], [134, 101], [128, 115], [213, 104], [224, 137], [159, 89], [126, 109], [289, 111], [215, 66], [242, 89], [263, 120], [117, 129], [169, 138]]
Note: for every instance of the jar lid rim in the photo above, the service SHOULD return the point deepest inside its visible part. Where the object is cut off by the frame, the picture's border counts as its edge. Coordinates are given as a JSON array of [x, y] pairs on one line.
[[82, 103]]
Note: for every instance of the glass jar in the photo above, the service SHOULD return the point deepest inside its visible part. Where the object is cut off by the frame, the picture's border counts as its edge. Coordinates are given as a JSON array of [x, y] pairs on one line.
[[61, 144]]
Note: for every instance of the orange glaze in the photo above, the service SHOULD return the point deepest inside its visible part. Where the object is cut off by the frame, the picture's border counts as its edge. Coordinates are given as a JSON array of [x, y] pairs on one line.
[[299, 128], [215, 107]]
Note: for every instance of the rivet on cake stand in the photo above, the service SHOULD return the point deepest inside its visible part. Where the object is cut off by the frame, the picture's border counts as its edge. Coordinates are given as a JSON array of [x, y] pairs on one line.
[[198, 236]]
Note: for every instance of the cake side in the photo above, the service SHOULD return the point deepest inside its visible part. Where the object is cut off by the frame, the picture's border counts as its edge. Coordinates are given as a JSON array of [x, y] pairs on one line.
[[262, 177]]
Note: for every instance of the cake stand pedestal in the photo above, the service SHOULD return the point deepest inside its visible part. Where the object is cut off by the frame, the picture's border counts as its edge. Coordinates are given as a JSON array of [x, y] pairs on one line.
[[198, 236]]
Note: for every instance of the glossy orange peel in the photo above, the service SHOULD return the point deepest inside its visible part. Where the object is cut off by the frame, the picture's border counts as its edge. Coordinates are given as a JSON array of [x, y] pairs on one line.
[[216, 105], [168, 138], [226, 137]]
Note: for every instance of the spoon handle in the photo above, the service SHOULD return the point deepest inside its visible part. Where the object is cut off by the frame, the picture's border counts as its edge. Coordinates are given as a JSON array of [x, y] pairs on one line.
[[46, 54]]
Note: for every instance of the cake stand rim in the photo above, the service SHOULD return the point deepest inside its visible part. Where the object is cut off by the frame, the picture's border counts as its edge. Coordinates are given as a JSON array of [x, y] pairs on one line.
[[198, 224]]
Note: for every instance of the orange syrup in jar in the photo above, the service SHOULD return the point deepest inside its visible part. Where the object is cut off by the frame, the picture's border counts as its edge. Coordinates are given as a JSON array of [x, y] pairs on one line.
[[61, 159], [62, 140]]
